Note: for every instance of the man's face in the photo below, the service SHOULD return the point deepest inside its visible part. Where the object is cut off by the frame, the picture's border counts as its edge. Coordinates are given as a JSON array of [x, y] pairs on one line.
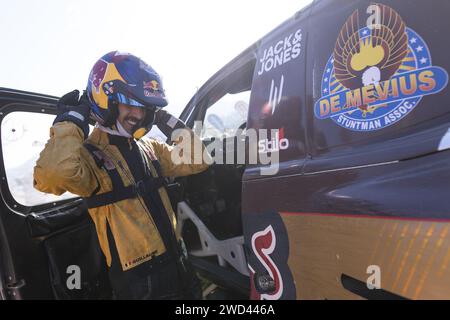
[[130, 117]]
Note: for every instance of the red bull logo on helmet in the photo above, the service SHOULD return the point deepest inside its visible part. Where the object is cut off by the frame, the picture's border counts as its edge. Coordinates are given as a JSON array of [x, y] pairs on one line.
[[98, 74], [101, 82], [152, 85], [152, 89]]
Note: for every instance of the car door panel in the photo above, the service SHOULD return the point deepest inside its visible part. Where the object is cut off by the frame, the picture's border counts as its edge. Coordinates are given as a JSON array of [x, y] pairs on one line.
[[372, 198], [44, 239]]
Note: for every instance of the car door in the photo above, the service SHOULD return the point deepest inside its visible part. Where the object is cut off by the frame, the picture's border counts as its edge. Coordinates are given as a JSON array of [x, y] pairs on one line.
[[210, 214], [49, 248], [270, 187], [372, 221]]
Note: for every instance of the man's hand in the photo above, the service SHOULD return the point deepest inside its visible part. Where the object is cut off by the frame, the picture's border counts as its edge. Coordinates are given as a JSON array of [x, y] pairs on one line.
[[167, 123], [75, 109]]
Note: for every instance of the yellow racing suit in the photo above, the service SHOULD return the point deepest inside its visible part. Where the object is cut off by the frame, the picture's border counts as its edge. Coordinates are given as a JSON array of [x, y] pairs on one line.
[[66, 165]]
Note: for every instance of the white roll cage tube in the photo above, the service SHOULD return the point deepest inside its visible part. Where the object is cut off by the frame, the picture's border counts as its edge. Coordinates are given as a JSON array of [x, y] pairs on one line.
[[229, 251]]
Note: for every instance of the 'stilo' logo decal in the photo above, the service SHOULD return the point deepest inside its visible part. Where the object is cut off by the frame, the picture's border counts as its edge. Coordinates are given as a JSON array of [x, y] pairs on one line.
[[377, 74], [263, 245], [277, 143]]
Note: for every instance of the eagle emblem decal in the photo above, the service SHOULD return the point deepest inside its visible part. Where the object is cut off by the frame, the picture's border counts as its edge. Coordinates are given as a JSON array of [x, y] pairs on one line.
[[377, 73]]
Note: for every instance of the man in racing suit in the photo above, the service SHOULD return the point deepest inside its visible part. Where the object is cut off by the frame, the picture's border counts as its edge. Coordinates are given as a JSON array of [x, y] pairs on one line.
[[120, 176]]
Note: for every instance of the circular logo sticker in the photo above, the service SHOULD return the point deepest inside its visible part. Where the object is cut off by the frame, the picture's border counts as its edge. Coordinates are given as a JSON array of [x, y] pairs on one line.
[[377, 74]]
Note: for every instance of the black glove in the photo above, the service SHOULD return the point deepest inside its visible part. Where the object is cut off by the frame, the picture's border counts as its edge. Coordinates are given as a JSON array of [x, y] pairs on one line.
[[75, 109], [167, 123]]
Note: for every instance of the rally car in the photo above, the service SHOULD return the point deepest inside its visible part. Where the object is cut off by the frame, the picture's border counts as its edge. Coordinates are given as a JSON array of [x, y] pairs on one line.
[[331, 137]]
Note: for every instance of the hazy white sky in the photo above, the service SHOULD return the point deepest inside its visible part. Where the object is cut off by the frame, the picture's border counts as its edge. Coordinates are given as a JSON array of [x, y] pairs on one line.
[[49, 46]]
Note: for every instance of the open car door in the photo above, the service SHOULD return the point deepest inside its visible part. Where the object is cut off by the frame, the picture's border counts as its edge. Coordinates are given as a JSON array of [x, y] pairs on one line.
[[48, 244], [210, 214]]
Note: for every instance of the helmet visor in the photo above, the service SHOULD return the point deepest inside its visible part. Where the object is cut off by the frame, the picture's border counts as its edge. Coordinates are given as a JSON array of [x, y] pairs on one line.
[[121, 98]]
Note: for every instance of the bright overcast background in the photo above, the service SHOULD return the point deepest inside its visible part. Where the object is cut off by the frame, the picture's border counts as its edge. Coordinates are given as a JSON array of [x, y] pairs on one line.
[[49, 46]]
